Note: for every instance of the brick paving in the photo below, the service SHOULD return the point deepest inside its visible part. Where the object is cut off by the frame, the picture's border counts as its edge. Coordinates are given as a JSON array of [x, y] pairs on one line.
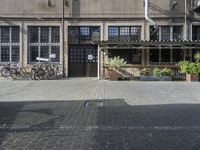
[[48, 115]]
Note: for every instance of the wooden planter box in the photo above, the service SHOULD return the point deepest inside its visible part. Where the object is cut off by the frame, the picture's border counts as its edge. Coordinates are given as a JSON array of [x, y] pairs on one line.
[[192, 77], [153, 78], [113, 75]]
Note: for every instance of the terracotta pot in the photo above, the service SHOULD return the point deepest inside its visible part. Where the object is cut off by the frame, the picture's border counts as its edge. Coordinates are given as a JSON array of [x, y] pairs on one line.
[[113, 75], [192, 77]]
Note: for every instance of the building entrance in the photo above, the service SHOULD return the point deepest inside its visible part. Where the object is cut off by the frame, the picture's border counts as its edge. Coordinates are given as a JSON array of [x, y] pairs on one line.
[[83, 61]]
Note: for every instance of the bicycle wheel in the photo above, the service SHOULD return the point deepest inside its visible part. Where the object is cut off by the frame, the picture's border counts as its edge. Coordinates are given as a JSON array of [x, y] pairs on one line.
[[51, 74], [22, 72], [39, 74], [13, 73], [57, 71], [32, 74], [5, 72]]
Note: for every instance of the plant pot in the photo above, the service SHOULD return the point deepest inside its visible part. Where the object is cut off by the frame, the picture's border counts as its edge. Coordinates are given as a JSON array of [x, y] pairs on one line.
[[154, 78], [113, 75], [192, 77]]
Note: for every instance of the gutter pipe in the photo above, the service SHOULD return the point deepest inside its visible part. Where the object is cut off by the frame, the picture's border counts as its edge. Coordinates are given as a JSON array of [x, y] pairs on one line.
[[147, 14]]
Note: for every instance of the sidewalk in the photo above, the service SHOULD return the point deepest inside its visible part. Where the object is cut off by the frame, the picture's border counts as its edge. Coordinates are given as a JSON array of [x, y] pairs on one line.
[[87, 114]]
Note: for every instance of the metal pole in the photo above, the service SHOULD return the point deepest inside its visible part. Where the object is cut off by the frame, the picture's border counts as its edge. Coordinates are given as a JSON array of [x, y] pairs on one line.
[[99, 57], [63, 36], [185, 20]]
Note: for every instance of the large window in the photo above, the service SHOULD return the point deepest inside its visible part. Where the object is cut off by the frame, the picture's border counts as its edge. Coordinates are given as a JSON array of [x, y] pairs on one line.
[[154, 56], [83, 34], [177, 54], [124, 33], [166, 56], [9, 44], [130, 56], [195, 32], [166, 33], [43, 41]]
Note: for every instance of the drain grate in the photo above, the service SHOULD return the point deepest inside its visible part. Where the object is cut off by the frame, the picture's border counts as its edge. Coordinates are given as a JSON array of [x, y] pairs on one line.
[[93, 104]]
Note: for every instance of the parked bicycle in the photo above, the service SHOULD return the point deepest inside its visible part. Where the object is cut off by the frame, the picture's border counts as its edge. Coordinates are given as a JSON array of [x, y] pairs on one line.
[[6, 70], [18, 72]]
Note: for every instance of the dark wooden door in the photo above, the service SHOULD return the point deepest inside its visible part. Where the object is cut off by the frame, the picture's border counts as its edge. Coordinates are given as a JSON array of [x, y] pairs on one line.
[[83, 61]]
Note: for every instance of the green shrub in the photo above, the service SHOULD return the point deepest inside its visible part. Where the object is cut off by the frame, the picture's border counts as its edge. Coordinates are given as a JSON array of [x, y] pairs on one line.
[[146, 71], [189, 67], [116, 63], [156, 72], [166, 72], [197, 57]]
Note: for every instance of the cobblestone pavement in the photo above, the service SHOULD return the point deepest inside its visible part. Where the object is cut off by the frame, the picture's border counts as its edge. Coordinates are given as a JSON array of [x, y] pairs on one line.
[[86, 114]]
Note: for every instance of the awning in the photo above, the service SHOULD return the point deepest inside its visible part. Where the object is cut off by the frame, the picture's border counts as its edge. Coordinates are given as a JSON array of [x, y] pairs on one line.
[[184, 44]]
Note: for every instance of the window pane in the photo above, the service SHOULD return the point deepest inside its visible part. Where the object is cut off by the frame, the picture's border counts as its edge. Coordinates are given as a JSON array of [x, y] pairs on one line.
[[154, 34], [44, 34], [55, 35], [125, 54], [195, 32], [165, 55], [177, 33], [15, 54], [15, 34], [55, 50], [33, 34], [113, 33], [33, 53], [154, 55], [74, 35], [5, 34], [44, 51], [5, 54], [124, 34], [135, 33], [136, 56], [165, 33], [95, 33], [177, 55], [85, 35]]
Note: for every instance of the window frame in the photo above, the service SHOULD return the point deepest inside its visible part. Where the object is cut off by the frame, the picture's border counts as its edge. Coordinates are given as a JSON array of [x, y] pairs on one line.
[[159, 33], [127, 55], [82, 39], [171, 52], [39, 44], [11, 44], [197, 37], [129, 36]]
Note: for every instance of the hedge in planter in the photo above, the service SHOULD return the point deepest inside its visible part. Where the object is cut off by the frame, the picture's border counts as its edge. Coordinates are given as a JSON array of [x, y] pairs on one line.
[[158, 75]]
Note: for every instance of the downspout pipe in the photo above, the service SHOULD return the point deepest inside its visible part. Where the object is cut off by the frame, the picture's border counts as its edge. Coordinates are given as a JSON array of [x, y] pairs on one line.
[[147, 14]]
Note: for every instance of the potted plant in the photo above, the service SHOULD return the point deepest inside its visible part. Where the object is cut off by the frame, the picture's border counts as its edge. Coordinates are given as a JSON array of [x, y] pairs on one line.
[[115, 65], [191, 69]]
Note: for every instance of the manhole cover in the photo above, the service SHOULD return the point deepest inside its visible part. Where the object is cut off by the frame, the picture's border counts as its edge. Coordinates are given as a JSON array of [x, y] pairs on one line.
[[93, 104]]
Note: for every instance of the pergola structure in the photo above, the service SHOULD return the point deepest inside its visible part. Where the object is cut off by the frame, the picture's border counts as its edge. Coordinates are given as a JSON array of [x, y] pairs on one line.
[[109, 45], [148, 44]]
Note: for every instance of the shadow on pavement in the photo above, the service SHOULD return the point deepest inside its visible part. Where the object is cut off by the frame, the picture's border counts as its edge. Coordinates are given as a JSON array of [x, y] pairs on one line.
[[98, 125]]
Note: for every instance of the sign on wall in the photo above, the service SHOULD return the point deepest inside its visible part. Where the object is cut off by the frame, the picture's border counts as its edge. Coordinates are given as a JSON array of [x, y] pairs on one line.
[[90, 57]]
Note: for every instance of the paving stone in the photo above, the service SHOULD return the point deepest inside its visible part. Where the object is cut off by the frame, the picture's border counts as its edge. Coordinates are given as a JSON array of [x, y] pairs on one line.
[[134, 116]]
